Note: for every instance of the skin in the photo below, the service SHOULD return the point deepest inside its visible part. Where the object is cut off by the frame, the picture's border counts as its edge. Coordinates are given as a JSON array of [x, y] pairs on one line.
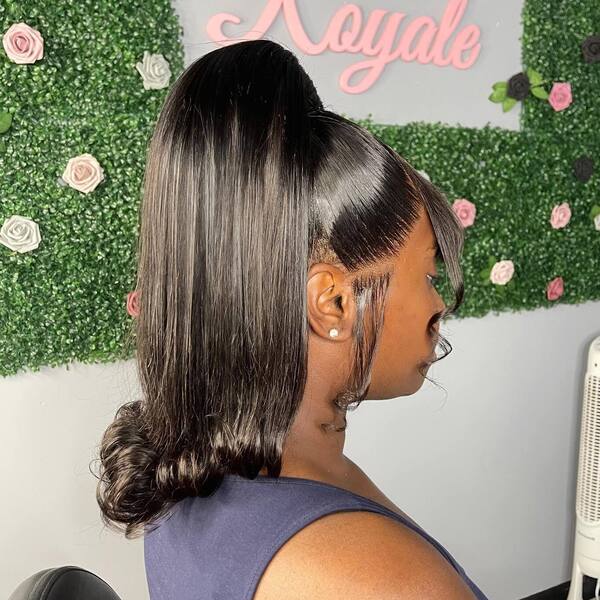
[[405, 347]]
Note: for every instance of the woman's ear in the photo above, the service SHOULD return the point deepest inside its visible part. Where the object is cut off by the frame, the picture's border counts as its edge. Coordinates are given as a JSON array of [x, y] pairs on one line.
[[330, 302]]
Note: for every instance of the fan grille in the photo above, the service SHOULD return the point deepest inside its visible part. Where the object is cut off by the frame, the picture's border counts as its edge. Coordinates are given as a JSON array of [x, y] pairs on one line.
[[588, 497]]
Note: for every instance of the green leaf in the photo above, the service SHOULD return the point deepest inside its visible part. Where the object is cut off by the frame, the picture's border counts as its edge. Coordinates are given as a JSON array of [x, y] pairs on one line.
[[5, 121], [492, 261], [500, 85], [534, 77], [2, 146], [594, 212], [539, 92], [498, 95], [484, 274], [508, 104]]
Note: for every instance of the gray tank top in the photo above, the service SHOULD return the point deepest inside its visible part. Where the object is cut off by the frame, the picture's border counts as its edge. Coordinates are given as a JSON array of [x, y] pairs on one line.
[[217, 547]]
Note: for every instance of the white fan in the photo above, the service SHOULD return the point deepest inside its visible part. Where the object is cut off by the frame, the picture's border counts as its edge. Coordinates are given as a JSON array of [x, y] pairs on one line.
[[586, 553]]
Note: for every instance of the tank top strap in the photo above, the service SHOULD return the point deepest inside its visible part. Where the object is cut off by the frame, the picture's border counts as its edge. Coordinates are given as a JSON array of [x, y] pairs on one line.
[[218, 547], [339, 500]]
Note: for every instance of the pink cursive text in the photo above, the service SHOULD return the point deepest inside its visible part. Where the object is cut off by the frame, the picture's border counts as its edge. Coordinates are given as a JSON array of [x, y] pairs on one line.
[[422, 40]]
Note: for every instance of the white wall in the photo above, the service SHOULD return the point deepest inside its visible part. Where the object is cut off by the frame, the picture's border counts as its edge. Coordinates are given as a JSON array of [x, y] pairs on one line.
[[51, 422], [489, 469], [490, 473]]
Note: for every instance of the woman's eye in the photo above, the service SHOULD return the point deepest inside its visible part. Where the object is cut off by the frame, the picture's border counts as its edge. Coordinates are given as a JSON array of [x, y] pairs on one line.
[[433, 279]]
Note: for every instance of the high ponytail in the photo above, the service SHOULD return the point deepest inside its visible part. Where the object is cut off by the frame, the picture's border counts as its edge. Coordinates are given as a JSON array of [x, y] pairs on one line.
[[248, 182]]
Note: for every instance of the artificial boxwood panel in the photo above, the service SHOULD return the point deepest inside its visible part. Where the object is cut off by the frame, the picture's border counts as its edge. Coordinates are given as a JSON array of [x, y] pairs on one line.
[[65, 300], [516, 178]]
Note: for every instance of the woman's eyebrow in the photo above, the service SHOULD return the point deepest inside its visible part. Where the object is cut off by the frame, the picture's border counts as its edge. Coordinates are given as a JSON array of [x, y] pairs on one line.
[[435, 250]]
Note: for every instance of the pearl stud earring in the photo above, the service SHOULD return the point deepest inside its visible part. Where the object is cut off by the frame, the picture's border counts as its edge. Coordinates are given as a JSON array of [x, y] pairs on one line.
[[333, 332]]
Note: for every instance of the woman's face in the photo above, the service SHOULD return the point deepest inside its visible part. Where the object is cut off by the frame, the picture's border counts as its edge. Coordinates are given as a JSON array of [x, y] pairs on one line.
[[406, 342], [410, 328]]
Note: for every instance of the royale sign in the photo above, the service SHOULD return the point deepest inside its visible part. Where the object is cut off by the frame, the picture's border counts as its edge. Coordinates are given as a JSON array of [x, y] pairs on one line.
[[422, 39]]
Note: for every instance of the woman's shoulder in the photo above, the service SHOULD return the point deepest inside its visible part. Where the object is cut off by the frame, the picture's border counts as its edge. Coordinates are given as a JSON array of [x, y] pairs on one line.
[[359, 555]]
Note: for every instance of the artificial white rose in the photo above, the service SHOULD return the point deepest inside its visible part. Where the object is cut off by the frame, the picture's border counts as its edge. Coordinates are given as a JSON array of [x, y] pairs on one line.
[[424, 174], [154, 70], [20, 234], [597, 222], [502, 272], [83, 173]]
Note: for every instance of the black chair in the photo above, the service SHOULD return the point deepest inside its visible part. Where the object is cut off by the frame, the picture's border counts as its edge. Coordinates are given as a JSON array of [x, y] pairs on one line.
[[64, 583]]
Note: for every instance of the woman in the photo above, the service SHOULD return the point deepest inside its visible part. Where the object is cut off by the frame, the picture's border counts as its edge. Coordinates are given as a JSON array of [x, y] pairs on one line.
[[286, 268]]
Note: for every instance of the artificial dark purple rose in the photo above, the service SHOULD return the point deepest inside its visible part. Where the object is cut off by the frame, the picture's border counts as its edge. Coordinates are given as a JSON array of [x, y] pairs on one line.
[[583, 167], [518, 86], [591, 48]]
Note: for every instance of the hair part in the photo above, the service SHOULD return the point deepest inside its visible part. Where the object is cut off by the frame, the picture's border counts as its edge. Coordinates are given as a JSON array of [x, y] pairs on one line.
[[248, 182]]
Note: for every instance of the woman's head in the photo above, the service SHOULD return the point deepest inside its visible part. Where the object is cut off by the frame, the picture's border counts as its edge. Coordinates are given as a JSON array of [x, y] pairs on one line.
[[252, 191], [412, 312]]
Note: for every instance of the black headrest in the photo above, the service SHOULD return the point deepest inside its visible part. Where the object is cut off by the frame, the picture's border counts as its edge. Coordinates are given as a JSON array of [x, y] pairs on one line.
[[64, 583]]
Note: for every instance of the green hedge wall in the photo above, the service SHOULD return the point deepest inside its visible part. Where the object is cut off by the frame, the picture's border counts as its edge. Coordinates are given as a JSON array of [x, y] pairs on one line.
[[64, 299], [516, 178]]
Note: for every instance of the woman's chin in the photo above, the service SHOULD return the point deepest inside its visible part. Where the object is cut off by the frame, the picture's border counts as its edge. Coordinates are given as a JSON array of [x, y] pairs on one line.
[[424, 368]]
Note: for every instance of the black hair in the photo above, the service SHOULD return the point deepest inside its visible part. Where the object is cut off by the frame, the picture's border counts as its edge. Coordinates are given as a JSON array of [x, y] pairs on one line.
[[248, 182]]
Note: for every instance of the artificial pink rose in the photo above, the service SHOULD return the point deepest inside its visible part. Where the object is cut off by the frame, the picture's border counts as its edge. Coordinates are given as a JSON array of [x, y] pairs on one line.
[[502, 272], [555, 288], [465, 211], [560, 96], [133, 306], [83, 173], [23, 44], [561, 215]]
